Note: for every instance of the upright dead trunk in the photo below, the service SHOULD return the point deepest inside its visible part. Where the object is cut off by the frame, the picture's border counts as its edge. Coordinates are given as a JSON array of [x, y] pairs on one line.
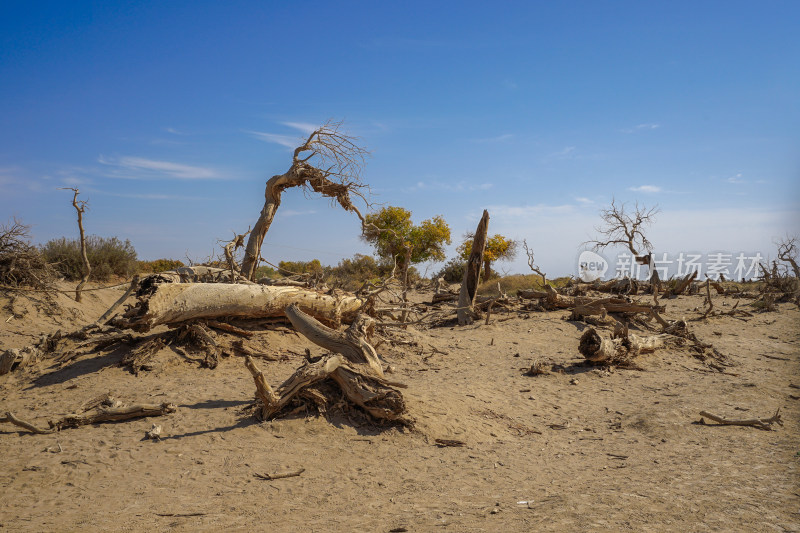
[[272, 200], [80, 207], [487, 271], [469, 285]]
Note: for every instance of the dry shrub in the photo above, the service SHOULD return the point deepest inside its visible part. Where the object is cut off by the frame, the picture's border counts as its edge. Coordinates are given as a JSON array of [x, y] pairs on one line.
[[158, 265], [22, 264], [108, 257]]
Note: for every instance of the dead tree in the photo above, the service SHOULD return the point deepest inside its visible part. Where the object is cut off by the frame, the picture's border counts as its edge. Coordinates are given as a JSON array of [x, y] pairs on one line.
[[623, 228], [355, 368], [532, 263], [230, 249], [472, 270], [328, 162], [80, 207]]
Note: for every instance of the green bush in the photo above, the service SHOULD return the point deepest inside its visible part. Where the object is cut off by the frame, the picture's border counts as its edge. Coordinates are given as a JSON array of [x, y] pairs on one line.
[[265, 271], [291, 268], [107, 256], [159, 265], [452, 271]]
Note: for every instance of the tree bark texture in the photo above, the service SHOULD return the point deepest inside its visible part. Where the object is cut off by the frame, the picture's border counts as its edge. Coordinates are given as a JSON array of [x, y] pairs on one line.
[[469, 285]]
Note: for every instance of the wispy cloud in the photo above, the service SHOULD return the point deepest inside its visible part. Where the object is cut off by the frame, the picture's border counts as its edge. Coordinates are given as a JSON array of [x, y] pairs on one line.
[[584, 201], [564, 153], [289, 141], [141, 168], [736, 179], [528, 211], [649, 189], [305, 127], [450, 187], [498, 139], [283, 213], [642, 127]]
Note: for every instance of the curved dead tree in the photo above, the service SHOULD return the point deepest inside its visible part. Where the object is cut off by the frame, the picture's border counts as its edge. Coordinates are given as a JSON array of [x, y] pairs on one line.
[[329, 162], [354, 368]]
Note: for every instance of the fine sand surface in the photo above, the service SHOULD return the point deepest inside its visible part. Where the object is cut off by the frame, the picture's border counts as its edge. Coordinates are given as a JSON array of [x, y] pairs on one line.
[[578, 449]]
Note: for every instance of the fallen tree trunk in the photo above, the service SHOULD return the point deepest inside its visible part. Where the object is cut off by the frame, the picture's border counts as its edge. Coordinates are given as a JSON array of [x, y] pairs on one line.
[[617, 350], [355, 369], [172, 303]]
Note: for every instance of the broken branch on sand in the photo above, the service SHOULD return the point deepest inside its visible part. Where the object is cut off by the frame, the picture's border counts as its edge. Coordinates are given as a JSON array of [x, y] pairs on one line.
[[115, 414], [760, 423], [281, 475], [355, 369]]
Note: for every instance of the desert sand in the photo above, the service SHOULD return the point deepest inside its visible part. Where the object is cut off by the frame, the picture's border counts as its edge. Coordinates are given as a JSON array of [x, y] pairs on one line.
[[580, 448]]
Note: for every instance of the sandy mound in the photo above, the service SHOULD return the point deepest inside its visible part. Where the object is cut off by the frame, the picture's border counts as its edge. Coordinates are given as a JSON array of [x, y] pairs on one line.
[[577, 448]]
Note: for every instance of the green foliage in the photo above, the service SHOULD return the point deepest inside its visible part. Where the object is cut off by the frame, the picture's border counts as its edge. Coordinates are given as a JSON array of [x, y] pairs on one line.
[[266, 271], [351, 274], [452, 272], [107, 256], [158, 265], [291, 268], [421, 243], [498, 247]]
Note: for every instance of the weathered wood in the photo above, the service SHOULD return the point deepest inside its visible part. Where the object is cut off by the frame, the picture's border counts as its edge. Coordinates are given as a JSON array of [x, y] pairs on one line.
[[172, 303], [615, 350], [350, 343], [115, 414], [355, 368], [132, 287], [760, 423], [472, 270], [685, 282]]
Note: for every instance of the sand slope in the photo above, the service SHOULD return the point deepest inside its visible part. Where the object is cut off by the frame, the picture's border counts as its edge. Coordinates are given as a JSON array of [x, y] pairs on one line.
[[581, 449]]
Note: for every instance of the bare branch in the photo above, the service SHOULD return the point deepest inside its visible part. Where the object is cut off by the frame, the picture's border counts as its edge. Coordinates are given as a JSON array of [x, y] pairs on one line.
[[532, 262], [627, 229]]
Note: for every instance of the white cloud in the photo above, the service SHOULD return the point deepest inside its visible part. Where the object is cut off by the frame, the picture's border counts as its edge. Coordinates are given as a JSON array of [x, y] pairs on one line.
[[584, 201], [642, 127], [650, 189], [305, 127], [294, 213], [736, 179], [451, 187], [141, 168], [564, 153], [289, 141]]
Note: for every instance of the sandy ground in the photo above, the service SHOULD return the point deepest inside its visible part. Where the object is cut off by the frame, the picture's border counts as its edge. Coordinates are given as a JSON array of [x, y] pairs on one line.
[[580, 449]]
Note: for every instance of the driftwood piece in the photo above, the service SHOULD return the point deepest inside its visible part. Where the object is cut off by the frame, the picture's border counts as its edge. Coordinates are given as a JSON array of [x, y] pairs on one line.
[[685, 282], [139, 358], [132, 287], [350, 343], [171, 303], [618, 349], [374, 394], [115, 414], [472, 270], [14, 358], [356, 369], [760, 423], [279, 475]]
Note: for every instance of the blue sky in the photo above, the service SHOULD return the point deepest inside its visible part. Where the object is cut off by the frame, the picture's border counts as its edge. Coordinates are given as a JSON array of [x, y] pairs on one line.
[[170, 117]]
